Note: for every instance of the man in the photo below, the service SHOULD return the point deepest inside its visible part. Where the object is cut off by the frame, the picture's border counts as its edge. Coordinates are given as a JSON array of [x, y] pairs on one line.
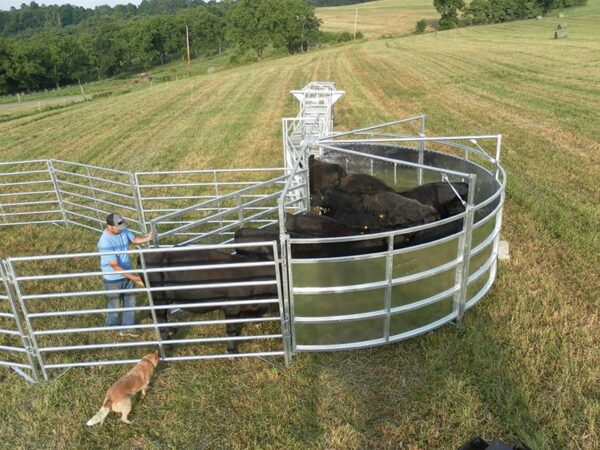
[[116, 238]]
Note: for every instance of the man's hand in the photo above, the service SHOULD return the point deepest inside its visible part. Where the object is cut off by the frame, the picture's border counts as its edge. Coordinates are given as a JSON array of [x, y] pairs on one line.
[[138, 281], [143, 239]]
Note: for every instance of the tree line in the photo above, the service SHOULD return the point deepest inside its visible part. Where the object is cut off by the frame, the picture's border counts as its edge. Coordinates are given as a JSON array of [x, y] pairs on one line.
[[104, 45], [31, 18], [455, 13], [320, 3]]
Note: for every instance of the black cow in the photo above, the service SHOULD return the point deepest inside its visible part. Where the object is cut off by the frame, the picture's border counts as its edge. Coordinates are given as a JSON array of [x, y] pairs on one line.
[[396, 211], [366, 223], [247, 235], [360, 183], [441, 196], [210, 276], [435, 233], [320, 226], [322, 175], [392, 210]]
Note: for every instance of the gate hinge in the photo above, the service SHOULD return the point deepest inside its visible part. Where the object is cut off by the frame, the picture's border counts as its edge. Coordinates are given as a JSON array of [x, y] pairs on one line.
[[28, 346]]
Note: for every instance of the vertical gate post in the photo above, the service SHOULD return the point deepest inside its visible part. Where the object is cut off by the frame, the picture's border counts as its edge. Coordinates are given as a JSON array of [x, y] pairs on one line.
[[94, 196], [464, 254], [497, 159], [421, 149], [288, 343], [282, 306], [306, 189], [54, 179], [30, 351], [12, 275], [498, 227], [151, 302], [155, 237], [389, 268], [218, 196], [137, 198], [421, 158], [284, 135], [238, 202], [2, 213], [139, 206]]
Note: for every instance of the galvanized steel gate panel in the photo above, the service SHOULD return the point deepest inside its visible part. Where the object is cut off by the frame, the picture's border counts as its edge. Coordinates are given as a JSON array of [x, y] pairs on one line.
[[64, 304], [16, 349]]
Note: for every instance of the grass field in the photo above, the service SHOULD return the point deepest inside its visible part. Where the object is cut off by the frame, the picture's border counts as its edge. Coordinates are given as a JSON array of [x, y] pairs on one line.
[[526, 364], [382, 17]]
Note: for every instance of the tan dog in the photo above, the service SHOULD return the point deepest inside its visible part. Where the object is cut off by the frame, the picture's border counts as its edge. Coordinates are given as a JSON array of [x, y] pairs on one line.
[[118, 398]]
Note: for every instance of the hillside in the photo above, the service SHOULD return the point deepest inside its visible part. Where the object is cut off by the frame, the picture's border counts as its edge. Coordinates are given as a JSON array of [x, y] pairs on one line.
[[378, 18], [524, 366]]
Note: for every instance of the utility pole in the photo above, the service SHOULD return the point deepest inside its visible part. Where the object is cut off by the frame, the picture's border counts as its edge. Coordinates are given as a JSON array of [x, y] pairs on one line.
[[187, 39], [355, 22], [82, 91]]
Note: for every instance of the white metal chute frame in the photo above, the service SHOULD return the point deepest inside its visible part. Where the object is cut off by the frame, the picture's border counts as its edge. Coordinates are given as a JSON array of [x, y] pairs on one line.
[[315, 117]]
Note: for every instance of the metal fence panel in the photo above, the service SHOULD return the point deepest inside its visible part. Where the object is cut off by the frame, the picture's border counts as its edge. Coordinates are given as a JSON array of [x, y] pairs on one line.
[[64, 302], [16, 350], [27, 194], [87, 194], [216, 219]]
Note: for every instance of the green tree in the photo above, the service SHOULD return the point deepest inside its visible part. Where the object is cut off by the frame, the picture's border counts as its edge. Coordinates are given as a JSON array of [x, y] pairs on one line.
[[256, 24], [247, 28], [107, 45], [302, 26], [5, 59], [448, 10]]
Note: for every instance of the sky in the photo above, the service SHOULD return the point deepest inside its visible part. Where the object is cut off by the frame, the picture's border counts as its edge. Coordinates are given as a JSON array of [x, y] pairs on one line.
[[6, 4]]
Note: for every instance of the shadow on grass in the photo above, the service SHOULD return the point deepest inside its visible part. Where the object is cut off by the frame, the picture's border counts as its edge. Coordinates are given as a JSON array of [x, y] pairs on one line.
[[434, 391]]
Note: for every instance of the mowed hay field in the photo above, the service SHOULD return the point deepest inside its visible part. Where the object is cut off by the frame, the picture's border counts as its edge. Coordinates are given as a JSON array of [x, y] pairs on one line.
[[526, 363], [379, 18]]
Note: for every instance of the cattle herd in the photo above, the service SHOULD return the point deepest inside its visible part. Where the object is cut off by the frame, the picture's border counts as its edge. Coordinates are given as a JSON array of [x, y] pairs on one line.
[[347, 205], [350, 205]]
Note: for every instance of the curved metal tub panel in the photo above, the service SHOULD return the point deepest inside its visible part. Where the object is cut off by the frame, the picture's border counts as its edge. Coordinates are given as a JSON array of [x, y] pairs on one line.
[[369, 300]]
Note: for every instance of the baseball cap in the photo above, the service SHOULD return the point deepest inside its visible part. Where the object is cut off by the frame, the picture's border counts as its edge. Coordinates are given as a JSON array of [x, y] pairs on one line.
[[116, 220]]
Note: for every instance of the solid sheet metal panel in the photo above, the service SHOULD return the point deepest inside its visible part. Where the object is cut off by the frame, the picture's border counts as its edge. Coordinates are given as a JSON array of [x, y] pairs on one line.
[[407, 293], [411, 320], [339, 332], [340, 304], [416, 261], [478, 260], [482, 232], [339, 273], [476, 285]]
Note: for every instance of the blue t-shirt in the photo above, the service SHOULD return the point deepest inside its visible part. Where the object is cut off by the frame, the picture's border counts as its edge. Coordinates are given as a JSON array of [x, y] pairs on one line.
[[114, 243]]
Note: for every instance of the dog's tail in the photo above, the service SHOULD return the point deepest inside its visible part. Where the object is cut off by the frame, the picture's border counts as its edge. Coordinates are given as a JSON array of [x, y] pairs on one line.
[[101, 415]]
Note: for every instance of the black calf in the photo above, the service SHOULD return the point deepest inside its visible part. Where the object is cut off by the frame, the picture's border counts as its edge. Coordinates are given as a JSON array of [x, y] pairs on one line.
[[322, 175], [209, 294], [441, 196]]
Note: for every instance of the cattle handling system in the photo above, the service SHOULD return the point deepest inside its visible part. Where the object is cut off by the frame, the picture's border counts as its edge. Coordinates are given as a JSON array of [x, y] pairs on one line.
[[52, 307]]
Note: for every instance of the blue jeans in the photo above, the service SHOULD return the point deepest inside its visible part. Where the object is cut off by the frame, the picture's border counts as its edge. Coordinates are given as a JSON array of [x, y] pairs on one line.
[[122, 300]]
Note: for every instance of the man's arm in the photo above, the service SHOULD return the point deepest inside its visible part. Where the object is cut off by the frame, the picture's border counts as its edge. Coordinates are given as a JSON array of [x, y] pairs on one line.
[[130, 276], [142, 239]]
